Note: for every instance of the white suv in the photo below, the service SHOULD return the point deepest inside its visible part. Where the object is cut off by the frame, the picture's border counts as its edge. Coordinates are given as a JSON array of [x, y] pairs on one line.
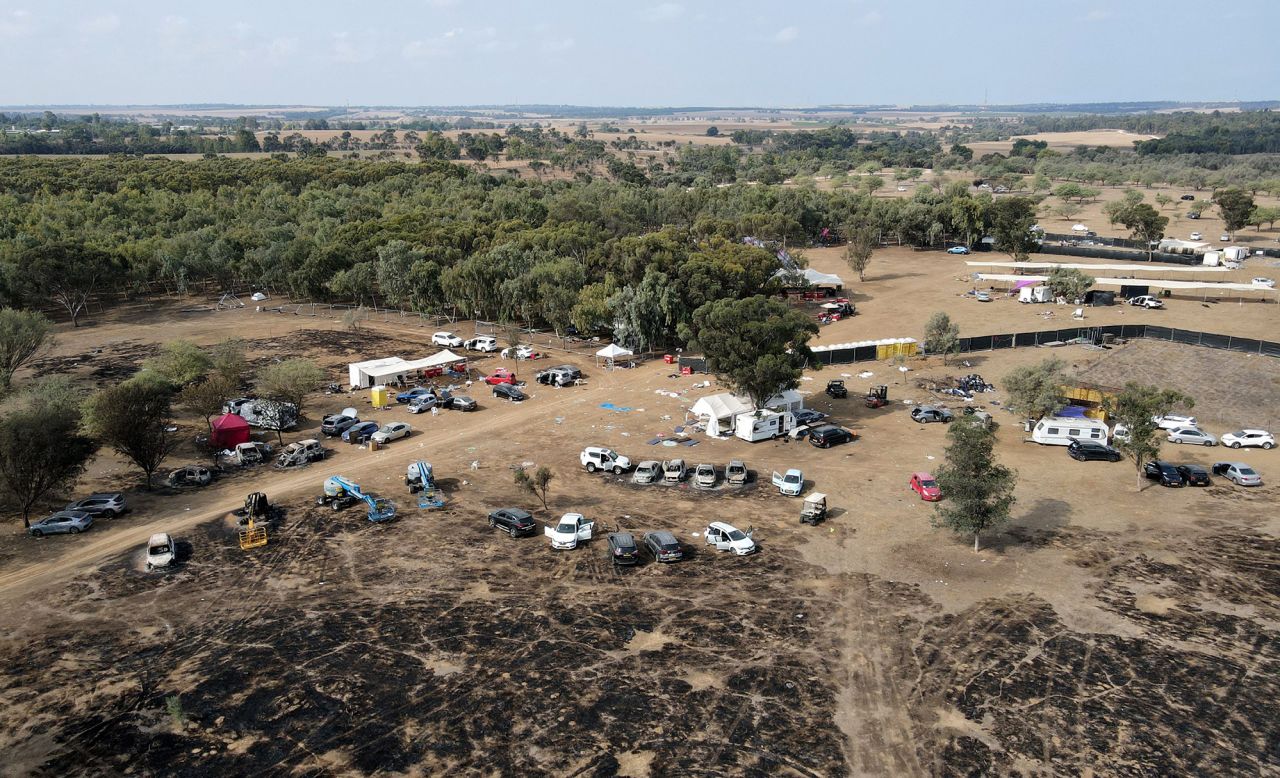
[[1240, 438], [595, 458], [1173, 421], [1146, 301], [446, 339], [486, 343]]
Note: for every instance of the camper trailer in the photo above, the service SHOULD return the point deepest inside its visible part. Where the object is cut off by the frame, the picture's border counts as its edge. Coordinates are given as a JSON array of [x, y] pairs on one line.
[[763, 425], [1212, 258], [1034, 294], [1060, 431]]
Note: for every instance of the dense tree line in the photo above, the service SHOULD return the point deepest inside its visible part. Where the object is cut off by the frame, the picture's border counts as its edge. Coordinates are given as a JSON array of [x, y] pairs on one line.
[[1146, 123]]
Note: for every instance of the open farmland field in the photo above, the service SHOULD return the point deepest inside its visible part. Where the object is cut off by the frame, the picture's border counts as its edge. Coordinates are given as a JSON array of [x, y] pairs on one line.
[[1107, 627], [1064, 141]]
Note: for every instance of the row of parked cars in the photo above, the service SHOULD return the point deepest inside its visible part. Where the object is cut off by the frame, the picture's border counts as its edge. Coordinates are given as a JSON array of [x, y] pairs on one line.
[[1186, 429], [79, 515], [571, 529], [1168, 474]]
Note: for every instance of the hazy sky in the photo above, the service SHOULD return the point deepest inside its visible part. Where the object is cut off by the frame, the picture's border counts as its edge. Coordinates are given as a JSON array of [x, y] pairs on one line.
[[748, 52]]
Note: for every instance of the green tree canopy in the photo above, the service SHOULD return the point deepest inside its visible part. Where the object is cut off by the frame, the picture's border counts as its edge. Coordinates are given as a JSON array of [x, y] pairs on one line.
[[134, 419], [1136, 407], [977, 491], [1011, 221], [941, 335], [290, 381], [23, 335], [42, 452], [1035, 391]]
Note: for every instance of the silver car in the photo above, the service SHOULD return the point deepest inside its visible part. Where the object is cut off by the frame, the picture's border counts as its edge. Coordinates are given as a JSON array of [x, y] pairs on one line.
[[101, 506], [1238, 473], [647, 472], [1191, 435], [62, 523], [704, 476]]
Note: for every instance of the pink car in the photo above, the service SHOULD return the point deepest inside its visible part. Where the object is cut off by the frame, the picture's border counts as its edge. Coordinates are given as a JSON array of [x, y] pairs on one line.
[[924, 485]]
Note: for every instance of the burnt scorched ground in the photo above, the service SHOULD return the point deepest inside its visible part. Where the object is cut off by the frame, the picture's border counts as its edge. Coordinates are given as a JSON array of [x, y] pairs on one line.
[[1193, 692], [345, 646]]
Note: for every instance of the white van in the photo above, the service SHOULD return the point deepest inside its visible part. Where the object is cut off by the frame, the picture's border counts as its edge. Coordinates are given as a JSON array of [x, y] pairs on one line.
[[763, 425], [1060, 431]]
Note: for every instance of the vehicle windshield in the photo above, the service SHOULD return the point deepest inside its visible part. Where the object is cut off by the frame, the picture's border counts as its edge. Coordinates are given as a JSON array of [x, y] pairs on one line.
[[792, 479], [155, 550], [737, 534], [928, 483], [567, 528]]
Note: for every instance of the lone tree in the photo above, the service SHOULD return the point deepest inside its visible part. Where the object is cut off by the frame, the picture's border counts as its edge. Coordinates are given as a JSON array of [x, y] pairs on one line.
[[205, 398], [1069, 283], [537, 484], [941, 336], [290, 381], [1236, 206], [1145, 224], [227, 359], [23, 334], [41, 452], [134, 419], [1011, 221], [979, 492], [756, 345], [68, 274], [1035, 391], [1136, 407], [180, 362], [862, 242]]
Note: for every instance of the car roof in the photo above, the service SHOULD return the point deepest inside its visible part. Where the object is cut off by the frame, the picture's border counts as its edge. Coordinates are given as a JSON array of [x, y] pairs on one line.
[[1192, 467], [722, 526], [923, 476], [737, 462], [571, 516], [74, 514], [1250, 432], [794, 471], [662, 536], [622, 537], [158, 538], [515, 511]]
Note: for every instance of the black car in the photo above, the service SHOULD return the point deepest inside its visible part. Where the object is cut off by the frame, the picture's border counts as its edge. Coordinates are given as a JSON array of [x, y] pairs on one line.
[[664, 546], [1187, 197], [1163, 472], [829, 435], [808, 416], [514, 521], [623, 549], [458, 402], [1086, 450], [1194, 475], [508, 392]]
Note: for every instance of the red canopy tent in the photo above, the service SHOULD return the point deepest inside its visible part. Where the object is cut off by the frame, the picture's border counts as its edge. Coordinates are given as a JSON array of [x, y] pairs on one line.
[[229, 430]]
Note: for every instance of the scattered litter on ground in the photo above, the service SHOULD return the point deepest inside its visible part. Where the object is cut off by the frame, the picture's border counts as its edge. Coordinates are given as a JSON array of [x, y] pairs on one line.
[[655, 441], [670, 443], [863, 374], [615, 408], [688, 442]]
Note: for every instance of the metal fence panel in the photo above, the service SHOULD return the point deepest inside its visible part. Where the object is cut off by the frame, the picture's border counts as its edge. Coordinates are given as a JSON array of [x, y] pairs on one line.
[[1270, 348], [1001, 341], [1159, 333], [980, 343], [1025, 338], [1215, 341], [1189, 337], [1133, 330], [864, 353]]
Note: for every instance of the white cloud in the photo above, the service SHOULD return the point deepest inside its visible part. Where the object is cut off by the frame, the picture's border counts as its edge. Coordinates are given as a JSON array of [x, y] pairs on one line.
[[1096, 15], [16, 24], [346, 51], [787, 35], [455, 32], [100, 25], [663, 12], [556, 45], [282, 48], [872, 17]]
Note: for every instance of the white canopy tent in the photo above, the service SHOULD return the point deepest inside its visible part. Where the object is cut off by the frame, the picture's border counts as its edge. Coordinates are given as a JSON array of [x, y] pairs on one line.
[[1079, 228], [612, 352], [358, 372], [1145, 268], [815, 278], [396, 370], [1199, 286], [719, 411]]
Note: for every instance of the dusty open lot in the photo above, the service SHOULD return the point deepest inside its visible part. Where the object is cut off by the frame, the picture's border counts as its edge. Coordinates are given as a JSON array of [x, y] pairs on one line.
[[1109, 629]]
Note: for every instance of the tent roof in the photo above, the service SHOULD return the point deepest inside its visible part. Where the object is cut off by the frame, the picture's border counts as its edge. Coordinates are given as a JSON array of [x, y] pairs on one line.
[[1143, 268], [1158, 283], [814, 277], [229, 421], [614, 350], [398, 366], [372, 363], [720, 405]]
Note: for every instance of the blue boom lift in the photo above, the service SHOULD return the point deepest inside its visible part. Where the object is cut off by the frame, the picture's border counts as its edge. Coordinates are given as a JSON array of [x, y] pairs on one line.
[[341, 492]]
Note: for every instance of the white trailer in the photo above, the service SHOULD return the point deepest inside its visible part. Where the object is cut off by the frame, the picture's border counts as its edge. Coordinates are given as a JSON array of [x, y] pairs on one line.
[[1212, 258], [763, 425], [1060, 430], [1034, 294]]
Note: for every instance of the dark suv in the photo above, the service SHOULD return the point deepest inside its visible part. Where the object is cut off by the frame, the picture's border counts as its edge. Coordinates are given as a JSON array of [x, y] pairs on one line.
[[829, 435], [514, 521], [1194, 475], [664, 546], [622, 549], [1086, 450], [1163, 472]]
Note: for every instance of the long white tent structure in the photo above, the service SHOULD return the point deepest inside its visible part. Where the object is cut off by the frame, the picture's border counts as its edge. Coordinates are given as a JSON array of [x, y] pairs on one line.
[[1158, 283], [1129, 267]]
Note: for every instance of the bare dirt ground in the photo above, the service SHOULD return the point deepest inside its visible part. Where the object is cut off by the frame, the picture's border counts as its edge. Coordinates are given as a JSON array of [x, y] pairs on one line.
[[1109, 629], [1064, 141]]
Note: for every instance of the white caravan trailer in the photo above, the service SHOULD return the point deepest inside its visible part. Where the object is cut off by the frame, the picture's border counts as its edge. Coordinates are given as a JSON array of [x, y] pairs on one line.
[[1060, 430], [763, 425], [1034, 294]]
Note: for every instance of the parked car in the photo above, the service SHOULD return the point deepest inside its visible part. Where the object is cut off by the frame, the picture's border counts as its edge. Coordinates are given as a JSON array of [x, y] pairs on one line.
[[836, 390], [484, 343], [391, 431], [360, 431], [982, 297], [647, 472], [509, 392], [520, 352], [1238, 473], [160, 551], [829, 435], [500, 376], [958, 250], [561, 375], [413, 394], [790, 483], [623, 549], [336, 424], [674, 471], [62, 523], [1196, 236], [1145, 301], [572, 528], [1260, 438], [446, 339], [1120, 432], [595, 458], [513, 521], [1194, 475], [1088, 450], [664, 546], [1267, 283], [808, 416], [1191, 435], [705, 477], [726, 537], [189, 475], [735, 473], [105, 505], [926, 414], [459, 402], [1187, 197], [1163, 472], [1173, 421], [1225, 238], [926, 486], [424, 402]]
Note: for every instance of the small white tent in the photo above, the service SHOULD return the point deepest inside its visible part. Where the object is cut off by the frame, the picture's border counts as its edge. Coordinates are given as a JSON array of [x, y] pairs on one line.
[[611, 352], [1079, 228], [719, 412]]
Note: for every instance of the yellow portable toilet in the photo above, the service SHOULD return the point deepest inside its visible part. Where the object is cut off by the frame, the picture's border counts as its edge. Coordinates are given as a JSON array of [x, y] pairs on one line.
[[380, 397]]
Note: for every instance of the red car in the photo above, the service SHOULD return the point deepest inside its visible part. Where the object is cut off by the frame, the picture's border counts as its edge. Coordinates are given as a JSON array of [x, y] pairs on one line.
[[924, 485], [500, 376]]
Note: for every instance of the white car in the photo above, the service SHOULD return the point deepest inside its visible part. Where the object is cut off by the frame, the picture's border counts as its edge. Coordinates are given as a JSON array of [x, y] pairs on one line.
[[647, 472], [571, 528], [1225, 238], [726, 537], [1260, 438], [1196, 236], [1121, 432], [1146, 301], [389, 432], [1191, 435], [519, 352], [159, 551], [446, 339], [1267, 283], [595, 458], [486, 343], [790, 484], [1173, 421]]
